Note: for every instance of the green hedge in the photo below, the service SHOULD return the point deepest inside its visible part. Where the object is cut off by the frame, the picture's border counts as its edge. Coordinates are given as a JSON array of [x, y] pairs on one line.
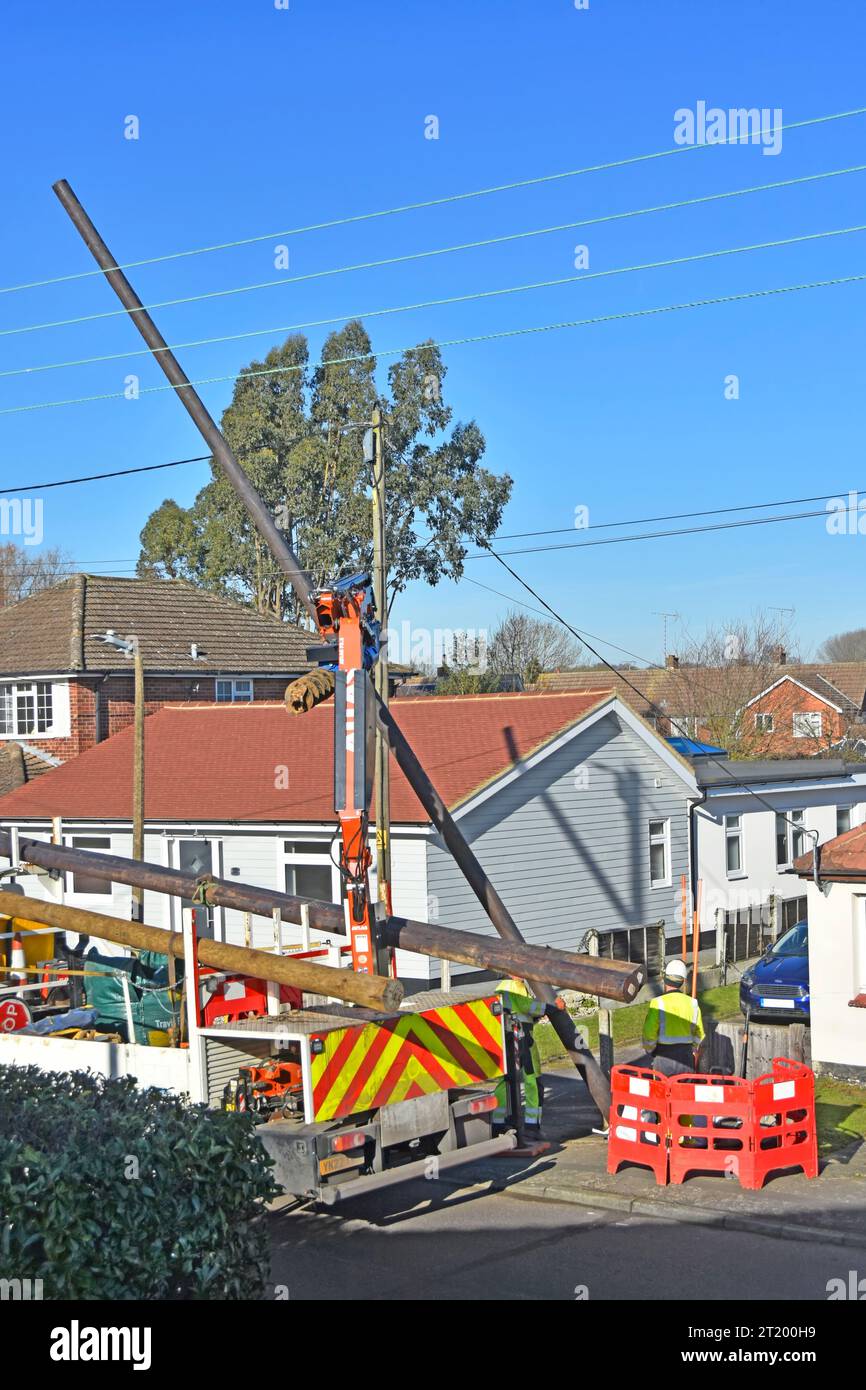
[[111, 1192]]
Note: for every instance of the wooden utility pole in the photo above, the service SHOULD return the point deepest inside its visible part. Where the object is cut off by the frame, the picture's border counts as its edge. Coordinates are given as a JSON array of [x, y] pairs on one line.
[[380, 675], [371, 991], [138, 777]]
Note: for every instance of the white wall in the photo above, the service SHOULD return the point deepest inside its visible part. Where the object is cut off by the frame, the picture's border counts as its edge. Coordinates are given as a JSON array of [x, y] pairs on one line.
[[837, 972], [760, 875], [167, 1067], [257, 855], [409, 899]]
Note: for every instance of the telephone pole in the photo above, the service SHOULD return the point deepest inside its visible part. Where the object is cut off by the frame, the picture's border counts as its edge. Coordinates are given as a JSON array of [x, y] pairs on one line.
[[131, 646], [374, 451], [138, 777]]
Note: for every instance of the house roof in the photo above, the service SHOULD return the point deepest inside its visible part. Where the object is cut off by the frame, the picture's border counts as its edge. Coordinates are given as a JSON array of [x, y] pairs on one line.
[[844, 857], [676, 689], [53, 631], [731, 773], [216, 763]]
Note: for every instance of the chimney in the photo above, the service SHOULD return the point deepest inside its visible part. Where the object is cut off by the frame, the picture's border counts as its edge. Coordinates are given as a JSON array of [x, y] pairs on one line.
[[779, 655], [672, 662]]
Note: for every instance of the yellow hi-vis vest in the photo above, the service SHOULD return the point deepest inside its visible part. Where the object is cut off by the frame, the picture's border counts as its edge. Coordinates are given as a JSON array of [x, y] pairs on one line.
[[673, 1018]]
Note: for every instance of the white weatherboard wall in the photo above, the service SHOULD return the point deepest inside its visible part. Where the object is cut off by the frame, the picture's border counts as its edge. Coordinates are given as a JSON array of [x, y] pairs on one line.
[[169, 1068], [837, 972], [760, 876], [567, 841], [256, 853]]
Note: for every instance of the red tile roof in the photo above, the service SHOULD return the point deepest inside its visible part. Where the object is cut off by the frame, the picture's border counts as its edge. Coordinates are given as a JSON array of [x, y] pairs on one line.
[[206, 763], [54, 630], [846, 856]]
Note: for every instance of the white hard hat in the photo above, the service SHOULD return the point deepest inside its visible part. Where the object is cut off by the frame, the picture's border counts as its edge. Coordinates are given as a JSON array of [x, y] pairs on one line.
[[676, 970]]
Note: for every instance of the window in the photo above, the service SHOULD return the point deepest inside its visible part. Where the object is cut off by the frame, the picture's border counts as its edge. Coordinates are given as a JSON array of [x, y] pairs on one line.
[[26, 708], [231, 692], [83, 882], [765, 723], [659, 850], [733, 845], [843, 819], [807, 724], [790, 838], [309, 869]]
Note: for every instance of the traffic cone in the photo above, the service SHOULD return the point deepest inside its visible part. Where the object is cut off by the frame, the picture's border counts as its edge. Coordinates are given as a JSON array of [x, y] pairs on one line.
[[18, 973]]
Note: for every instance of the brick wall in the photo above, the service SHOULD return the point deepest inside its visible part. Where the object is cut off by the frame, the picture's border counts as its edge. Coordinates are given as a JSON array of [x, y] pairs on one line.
[[99, 708], [117, 696], [82, 715]]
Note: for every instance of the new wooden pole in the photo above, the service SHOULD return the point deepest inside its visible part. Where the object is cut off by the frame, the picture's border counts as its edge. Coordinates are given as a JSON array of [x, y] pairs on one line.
[[372, 991], [696, 929]]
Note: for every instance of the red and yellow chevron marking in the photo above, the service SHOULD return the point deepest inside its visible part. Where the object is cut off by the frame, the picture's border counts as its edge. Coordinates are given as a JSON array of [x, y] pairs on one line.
[[407, 1056]]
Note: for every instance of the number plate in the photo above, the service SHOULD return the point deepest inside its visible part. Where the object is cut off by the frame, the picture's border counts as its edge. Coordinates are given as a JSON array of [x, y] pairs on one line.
[[777, 1003], [337, 1163]]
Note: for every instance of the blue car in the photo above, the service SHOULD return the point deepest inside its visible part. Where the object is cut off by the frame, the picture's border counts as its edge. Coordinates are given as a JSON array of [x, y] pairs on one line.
[[777, 986]]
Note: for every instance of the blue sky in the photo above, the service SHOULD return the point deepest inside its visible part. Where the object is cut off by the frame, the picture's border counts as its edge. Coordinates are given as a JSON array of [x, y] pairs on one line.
[[255, 119]]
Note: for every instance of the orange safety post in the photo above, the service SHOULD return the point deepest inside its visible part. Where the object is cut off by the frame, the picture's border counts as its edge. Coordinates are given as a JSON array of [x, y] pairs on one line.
[[696, 932], [710, 1123], [785, 1133], [638, 1120]]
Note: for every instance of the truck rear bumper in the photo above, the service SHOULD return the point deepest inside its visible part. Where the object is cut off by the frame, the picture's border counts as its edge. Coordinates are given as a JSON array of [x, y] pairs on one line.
[[331, 1193]]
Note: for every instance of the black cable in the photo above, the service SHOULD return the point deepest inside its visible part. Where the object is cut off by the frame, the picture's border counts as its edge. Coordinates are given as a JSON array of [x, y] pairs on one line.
[[658, 535], [95, 477], [674, 516], [656, 710]]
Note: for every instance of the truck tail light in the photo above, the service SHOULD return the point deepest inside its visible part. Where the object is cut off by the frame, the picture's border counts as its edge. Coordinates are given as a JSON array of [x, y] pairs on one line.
[[482, 1105], [351, 1139]]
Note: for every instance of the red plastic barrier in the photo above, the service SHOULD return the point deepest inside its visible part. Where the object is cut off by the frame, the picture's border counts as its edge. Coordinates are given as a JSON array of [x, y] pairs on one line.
[[784, 1131], [710, 1126], [638, 1120]]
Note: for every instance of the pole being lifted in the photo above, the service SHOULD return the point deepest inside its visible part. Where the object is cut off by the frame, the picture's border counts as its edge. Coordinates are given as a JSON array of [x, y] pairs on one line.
[[617, 980], [495, 908], [288, 562], [192, 402], [371, 991]]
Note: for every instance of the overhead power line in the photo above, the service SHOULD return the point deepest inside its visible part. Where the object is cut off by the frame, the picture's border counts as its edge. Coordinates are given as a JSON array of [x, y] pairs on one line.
[[657, 535], [541, 613], [674, 516], [96, 477], [433, 202], [470, 297], [500, 335], [423, 255], [656, 710]]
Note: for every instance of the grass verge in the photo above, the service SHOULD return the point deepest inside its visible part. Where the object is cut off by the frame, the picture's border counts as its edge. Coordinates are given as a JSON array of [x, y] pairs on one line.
[[840, 1107], [628, 1022], [840, 1110]]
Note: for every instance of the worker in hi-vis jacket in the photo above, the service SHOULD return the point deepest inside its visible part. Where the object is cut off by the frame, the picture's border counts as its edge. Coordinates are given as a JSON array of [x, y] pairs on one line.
[[673, 1029], [517, 1000]]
